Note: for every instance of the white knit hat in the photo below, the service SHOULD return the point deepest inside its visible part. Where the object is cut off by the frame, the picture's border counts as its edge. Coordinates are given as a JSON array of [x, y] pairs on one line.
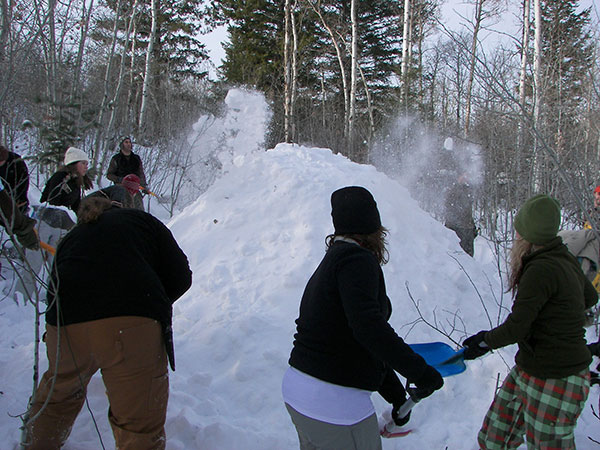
[[74, 155]]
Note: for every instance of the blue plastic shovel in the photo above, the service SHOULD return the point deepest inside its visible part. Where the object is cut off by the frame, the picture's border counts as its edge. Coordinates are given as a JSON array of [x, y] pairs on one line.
[[444, 358]]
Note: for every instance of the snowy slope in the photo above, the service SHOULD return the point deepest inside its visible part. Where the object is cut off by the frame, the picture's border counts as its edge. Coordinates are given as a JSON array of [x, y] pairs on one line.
[[253, 240]]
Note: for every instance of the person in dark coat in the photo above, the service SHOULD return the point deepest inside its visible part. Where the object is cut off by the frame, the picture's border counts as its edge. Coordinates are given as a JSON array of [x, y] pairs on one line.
[[15, 177], [344, 347], [114, 279], [66, 186], [459, 213], [17, 223], [124, 163], [545, 392]]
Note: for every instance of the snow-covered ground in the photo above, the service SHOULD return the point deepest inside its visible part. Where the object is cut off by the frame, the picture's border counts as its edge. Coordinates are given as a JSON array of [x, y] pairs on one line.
[[253, 240]]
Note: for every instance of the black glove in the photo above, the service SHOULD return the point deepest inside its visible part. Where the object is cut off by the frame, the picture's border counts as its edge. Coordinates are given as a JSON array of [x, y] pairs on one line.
[[594, 348], [475, 346], [428, 383], [399, 420]]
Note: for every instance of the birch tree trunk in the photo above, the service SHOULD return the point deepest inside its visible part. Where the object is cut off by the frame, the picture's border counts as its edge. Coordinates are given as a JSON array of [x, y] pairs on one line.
[[129, 120], [51, 54], [369, 108], [104, 103], [286, 73], [476, 28], [537, 85], [148, 68], [354, 59], [85, 25], [294, 71], [405, 44], [522, 80], [338, 52]]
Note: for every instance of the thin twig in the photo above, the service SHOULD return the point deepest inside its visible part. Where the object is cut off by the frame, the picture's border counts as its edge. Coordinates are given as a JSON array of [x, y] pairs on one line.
[[474, 287], [422, 318]]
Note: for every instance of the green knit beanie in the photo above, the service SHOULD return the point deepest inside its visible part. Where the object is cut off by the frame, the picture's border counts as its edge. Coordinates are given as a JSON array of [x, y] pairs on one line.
[[538, 219]]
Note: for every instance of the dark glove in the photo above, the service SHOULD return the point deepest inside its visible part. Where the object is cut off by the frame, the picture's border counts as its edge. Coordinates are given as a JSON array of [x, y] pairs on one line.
[[27, 236], [399, 420], [428, 383], [475, 346], [594, 348]]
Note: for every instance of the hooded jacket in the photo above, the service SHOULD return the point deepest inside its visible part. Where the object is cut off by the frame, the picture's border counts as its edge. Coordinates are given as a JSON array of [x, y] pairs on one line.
[[547, 317]]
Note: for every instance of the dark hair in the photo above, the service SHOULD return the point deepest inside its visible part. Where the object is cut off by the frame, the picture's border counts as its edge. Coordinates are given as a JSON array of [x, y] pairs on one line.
[[3, 153], [375, 242], [91, 208], [94, 205], [82, 181]]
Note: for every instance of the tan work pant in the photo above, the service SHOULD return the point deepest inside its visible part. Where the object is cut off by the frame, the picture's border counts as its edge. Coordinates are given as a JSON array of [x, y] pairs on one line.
[[130, 353]]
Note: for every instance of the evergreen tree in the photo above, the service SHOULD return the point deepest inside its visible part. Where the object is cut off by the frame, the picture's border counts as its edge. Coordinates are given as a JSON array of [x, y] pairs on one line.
[[254, 57]]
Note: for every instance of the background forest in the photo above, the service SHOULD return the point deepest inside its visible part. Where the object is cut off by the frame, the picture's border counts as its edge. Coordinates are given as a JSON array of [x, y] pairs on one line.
[[384, 82]]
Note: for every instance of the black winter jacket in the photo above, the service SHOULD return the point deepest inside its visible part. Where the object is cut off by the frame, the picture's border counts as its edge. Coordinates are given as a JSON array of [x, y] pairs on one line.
[[121, 165], [127, 263], [15, 178], [343, 335], [61, 190]]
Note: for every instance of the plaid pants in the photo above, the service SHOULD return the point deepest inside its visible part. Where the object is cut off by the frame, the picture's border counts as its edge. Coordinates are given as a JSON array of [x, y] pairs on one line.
[[544, 410]]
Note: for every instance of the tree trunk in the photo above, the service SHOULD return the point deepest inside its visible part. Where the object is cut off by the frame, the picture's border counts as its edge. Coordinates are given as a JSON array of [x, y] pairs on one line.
[[405, 44], [354, 59], [338, 52], [148, 68], [537, 86], [476, 28], [286, 73], [294, 72], [51, 55], [522, 81], [6, 11], [106, 81], [130, 117], [85, 25]]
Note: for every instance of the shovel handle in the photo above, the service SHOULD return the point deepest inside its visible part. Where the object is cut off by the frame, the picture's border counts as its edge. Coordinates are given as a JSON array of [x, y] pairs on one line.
[[415, 395]]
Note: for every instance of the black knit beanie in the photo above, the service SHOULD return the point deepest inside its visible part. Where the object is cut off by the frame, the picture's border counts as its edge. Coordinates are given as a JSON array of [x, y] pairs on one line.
[[354, 211]]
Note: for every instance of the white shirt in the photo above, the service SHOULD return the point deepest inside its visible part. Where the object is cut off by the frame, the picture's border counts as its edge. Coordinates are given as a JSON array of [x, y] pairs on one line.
[[327, 402]]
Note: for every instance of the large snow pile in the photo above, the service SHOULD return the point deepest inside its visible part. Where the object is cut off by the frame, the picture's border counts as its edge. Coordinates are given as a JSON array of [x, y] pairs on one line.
[[253, 239]]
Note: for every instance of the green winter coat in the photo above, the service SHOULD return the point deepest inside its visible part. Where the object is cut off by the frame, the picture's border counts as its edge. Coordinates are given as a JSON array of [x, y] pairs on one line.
[[547, 317]]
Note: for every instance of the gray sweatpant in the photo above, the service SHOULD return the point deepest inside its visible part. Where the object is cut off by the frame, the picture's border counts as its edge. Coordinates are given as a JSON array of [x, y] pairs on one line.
[[316, 435]]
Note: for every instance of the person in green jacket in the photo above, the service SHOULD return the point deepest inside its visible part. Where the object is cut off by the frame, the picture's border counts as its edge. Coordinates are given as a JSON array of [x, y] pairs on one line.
[[545, 392]]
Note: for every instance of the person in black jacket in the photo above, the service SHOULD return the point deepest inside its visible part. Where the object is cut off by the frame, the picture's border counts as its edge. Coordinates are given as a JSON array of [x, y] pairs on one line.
[[15, 177], [66, 186], [114, 279], [124, 163], [344, 347], [459, 213]]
